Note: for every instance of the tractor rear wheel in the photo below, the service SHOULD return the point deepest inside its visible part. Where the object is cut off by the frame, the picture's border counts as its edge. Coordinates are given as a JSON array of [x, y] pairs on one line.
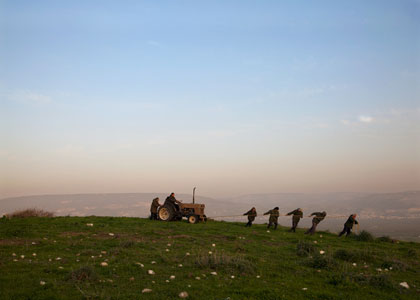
[[192, 219], [166, 213]]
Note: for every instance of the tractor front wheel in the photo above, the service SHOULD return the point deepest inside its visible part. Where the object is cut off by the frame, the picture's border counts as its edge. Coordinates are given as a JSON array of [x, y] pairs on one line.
[[192, 219]]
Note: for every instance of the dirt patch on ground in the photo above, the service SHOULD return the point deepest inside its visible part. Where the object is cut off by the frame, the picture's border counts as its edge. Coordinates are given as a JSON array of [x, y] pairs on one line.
[[179, 236], [14, 242], [72, 233]]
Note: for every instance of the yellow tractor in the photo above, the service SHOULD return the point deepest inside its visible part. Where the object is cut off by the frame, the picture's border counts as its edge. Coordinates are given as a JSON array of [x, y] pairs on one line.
[[175, 212]]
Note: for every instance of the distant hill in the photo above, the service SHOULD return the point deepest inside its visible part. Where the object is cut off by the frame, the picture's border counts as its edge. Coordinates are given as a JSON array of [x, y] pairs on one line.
[[394, 214]]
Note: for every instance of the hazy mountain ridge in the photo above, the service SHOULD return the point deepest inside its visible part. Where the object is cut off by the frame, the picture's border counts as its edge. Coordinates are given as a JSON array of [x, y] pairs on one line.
[[394, 214]]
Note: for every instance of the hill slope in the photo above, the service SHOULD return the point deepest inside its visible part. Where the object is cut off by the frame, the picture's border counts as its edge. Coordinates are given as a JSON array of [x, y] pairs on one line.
[[250, 263]]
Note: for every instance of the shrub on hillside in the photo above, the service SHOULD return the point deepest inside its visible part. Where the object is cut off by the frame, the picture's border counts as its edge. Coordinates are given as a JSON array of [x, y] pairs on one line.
[[364, 236], [321, 262], [354, 254], [344, 254], [221, 260], [385, 239], [304, 248], [395, 264], [31, 212], [85, 273]]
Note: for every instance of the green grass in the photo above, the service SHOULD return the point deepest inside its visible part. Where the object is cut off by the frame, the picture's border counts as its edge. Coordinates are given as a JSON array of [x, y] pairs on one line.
[[265, 265]]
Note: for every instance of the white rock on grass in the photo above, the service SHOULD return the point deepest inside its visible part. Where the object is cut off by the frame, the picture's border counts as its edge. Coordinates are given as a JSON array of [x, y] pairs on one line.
[[232, 276], [42, 282], [210, 252], [104, 264], [180, 265], [146, 291], [33, 254], [13, 254], [258, 276], [153, 262], [213, 273], [140, 264], [167, 250], [89, 224], [169, 245], [404, 285], [321, 252], [151, 272], [172, 277], [103, 252], [183, 295], [213, 245], [354, 264], [58, 258], [187, 254], [22, 256], [304, 289], [198, 278], [111, 234]]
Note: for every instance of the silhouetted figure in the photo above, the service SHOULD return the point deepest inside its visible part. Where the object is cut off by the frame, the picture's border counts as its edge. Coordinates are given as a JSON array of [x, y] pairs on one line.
[[154, 209], [252, 213], [297, 215], [348, 226], [274, 216], [319, 216], [172, 201]]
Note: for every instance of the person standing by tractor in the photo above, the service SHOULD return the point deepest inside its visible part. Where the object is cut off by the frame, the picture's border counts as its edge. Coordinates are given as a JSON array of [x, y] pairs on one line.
[[154, 209], [297, 215], [252, 213], [348, 226], [318, 217], [274, 216]]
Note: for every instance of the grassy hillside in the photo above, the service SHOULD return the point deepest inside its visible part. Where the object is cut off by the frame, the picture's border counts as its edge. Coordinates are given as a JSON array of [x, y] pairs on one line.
[[66, 254]]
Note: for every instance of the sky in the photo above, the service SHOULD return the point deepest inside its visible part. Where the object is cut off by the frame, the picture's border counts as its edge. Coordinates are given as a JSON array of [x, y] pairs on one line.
[[234, 97]]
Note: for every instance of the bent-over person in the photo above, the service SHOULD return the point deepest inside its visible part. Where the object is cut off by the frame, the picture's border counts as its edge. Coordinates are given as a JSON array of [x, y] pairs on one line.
[[274, 217], [318, 217], [297, 215], [252, 213], [154, 209], [348, 226]]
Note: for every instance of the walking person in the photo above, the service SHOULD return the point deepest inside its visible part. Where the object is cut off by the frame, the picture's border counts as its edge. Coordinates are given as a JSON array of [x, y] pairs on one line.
[[274, 217], [318, 217], [297, 215], [348, 226], [252, 213]]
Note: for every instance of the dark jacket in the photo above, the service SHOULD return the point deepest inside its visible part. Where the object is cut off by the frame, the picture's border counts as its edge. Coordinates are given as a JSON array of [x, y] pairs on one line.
[[274, 215], [155, 205], [170, 199], [350, 222], [297, 214], [319, 216], [251, 214]]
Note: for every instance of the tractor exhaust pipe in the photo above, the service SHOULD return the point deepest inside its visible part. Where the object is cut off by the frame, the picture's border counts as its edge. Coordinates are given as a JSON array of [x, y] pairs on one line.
[[194, 195]]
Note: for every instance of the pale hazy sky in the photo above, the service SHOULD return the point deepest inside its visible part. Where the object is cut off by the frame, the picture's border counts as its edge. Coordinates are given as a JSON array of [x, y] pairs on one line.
[[233, 97]]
